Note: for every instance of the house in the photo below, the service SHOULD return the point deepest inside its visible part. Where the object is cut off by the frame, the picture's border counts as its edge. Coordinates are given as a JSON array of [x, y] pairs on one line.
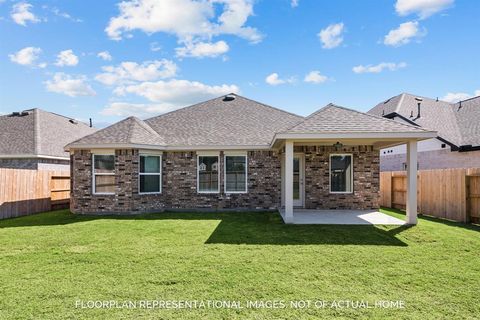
[[232, 153], [458, 125], [35, 139]]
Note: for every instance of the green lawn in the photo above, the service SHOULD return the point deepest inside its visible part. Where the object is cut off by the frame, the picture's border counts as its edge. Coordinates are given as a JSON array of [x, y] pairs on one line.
[[51, 260]]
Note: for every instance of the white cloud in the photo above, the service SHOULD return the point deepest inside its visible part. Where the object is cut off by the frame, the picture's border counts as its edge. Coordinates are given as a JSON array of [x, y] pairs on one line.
[[202, 49], [105, 55], [403, 34], [274, 80], [72, 86], [379, 67], [294, 3], [315, 77], [331, 36], [64, 15], [154, 46], [128, 71], [186, 19], [66, 58], [125, 109], [27, 57], [423, 8], [21, 14], [176, 92], [459, 96]]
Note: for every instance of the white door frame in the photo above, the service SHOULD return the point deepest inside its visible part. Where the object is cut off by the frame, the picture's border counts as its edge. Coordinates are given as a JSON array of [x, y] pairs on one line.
[[301, 201]]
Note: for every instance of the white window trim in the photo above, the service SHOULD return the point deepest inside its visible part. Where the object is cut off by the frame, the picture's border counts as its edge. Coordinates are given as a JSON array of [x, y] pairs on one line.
[[101, 174], [225, 172], [198, 172], [150, 173], [330, 173]]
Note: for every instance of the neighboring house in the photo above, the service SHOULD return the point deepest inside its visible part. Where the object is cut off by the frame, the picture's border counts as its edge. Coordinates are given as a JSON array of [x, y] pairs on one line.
[[235, 153], [35, 139], [458, 125]]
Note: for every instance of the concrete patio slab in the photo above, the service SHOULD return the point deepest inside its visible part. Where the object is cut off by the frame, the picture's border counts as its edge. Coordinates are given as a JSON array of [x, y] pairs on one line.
[[347, 217]]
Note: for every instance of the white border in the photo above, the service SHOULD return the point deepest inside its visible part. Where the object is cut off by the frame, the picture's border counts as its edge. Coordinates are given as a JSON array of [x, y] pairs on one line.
[[218, 173], [225, 173], [151, 173], [101, 174], [330, 173]]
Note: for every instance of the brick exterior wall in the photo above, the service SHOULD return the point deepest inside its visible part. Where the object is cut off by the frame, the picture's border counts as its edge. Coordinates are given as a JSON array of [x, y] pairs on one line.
[[366, 178], [179, 183], [35, 164], [435, 159]]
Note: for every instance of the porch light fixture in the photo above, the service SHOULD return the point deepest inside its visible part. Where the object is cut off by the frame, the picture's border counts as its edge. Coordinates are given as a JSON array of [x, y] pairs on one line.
[[337, 145]]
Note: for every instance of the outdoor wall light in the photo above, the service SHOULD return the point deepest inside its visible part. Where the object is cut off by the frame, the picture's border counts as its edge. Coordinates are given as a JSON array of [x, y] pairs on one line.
[[337, 145]]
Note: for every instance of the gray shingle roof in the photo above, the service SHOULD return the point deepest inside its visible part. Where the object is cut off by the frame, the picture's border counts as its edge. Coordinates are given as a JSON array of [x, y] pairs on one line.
[[457, 126], [333, 119], [128, 131], [467, 114], [239, 122], [218, 122], [38, 132]]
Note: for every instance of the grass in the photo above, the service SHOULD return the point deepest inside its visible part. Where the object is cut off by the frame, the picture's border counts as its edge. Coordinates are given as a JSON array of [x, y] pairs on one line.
[[49, 261]]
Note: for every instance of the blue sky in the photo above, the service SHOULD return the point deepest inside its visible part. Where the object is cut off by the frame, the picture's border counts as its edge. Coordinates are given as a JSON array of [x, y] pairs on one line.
[[96, 59]]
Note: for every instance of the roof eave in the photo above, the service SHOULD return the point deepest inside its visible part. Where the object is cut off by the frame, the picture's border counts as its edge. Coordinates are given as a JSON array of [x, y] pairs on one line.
[[356, 135], [165, 148]]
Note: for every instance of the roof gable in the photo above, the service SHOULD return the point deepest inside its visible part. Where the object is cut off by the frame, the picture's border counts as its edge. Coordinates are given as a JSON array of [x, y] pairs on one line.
[[336, 119], [128, 131]]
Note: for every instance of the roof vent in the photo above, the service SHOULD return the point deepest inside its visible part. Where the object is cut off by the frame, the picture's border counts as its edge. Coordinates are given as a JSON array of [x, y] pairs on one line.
[[73, 121], [15, 114], [24, 113], [418, 99], [229, 97]]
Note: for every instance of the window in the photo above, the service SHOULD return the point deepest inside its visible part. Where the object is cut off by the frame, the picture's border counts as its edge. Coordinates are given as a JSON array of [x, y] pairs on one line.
[[208, 171], [235, 174], [103, 174], [150, 174], [341, 173]]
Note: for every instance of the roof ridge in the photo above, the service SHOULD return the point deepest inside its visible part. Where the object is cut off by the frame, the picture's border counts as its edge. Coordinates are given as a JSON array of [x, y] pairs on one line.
[[269, 106], [379, 117], [99, 131], [145, 126], [58, 114], [204, 102]]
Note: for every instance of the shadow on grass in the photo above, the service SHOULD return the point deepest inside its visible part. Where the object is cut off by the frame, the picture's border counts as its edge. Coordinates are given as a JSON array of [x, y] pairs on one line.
[[450, 223], [255, 228]]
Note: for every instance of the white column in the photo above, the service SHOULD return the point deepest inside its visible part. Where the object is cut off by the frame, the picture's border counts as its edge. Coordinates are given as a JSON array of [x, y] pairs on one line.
[[289, 181], [411, 182]]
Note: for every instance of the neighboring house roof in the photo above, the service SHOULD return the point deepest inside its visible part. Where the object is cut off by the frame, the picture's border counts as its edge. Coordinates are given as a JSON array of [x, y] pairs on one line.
[[458, 126], [128, 131], [467, 113], [36, 132], [236, 122], [333, 118]]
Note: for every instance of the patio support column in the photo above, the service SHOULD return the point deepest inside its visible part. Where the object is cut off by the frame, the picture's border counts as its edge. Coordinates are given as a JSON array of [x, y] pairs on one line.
[[288, 181], [411, 182]]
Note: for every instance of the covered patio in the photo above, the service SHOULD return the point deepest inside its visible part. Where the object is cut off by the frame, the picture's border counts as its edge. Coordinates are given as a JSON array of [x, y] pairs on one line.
[[341, 186], [342, 217]]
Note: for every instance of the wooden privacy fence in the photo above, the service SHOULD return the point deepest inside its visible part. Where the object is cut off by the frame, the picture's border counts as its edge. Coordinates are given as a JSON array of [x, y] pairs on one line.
[[23, 192], [445, 193]]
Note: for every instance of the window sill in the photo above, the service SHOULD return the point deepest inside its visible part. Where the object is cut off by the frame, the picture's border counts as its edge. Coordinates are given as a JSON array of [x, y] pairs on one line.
[[236, 192], [339, 192], [208, 192], [147, 193]]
